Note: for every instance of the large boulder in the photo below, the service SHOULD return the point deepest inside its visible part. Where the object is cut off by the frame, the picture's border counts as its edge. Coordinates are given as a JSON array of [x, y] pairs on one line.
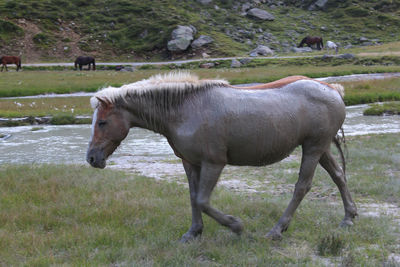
[[261, 50], [260, 14], [202, 41], [181, 36]]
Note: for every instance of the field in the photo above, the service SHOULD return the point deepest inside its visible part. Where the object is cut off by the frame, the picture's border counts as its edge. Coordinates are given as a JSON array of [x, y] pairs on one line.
[[74, 215]]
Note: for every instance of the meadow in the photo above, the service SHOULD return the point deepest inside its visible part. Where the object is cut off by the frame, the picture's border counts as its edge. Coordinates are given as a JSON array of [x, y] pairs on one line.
[[40, 82], [75, 215]]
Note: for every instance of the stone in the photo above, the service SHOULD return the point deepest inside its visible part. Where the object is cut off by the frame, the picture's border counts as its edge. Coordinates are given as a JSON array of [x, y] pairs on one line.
[[203, 40], [205, 55], [260, 14], [347, 56], [207, 65], [245, 61], [181, 36], [301, 49], [261, 50], [235, 63], [204, 2]]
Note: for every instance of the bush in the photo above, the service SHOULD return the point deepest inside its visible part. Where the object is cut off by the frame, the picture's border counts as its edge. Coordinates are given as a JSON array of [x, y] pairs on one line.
[[63, 119]]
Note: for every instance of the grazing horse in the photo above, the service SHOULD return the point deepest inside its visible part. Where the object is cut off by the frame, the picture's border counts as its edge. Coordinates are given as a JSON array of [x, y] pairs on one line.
[[85, 61], [332, 45], [312, 40], [209, 124], [10, 60]]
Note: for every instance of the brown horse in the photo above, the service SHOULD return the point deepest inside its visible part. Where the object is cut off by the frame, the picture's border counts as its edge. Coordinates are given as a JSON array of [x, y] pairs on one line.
[[210, 124], [312, 40], [10, 60]]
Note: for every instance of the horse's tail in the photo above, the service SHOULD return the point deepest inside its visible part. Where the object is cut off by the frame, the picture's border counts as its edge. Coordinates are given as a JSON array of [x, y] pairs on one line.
[[322, 43], [338, 140], [19, 64], [339, 88], [94, 64], [76, 64]]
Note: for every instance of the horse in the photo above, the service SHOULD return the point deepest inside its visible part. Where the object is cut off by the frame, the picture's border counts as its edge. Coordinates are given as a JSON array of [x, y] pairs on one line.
[[332, 45], [85, 61], [210, 123], [312, 40], [10, 60]]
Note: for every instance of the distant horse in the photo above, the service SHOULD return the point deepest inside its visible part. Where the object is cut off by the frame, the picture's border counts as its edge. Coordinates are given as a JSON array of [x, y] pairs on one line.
[[10, 60], [210, 124], [332, 45], [312, 40], [85, 61]]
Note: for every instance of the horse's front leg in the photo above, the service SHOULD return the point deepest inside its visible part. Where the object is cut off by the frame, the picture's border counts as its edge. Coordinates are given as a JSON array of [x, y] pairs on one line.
[[208, 179], [303, 185], [193, 175]]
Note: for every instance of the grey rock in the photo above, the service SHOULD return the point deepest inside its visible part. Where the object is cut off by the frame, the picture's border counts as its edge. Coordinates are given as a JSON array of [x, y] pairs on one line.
[[260, 14], [246, 7], [261, 50], [204, 2], [301, 49], [178, 44], [363, 39], [320, 4], [245, 61], [202, 41], [347, 56], [235, 63], [181, 36]]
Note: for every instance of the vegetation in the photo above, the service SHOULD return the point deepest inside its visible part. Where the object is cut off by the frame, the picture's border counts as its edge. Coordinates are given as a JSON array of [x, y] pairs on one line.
[[137, 29], [392, 108], [74, 215]]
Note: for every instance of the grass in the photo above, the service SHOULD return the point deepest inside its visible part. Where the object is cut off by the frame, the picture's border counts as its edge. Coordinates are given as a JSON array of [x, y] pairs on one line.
[[391, 108], [75, 215]]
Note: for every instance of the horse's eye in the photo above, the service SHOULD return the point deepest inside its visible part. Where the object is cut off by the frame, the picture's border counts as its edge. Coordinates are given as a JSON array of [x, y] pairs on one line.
[[102, 123]]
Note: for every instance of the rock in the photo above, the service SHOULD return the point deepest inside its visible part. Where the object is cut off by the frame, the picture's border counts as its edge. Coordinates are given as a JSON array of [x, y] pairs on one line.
[[204, 2], [261, 50], [320, 4], [202, 41], [246, 7], [205, 55], [235, 63], [207, 65], [301, 49], [260, 14], [363, 39], [347, 56], [181, 38], [245, 61]]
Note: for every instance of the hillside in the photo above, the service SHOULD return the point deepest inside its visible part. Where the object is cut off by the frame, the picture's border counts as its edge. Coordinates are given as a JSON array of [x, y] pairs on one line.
[[54, 30]]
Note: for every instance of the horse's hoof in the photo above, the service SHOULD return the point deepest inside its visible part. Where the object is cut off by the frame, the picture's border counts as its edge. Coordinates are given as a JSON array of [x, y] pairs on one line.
[[189, 237], [346, 223], [235, 225], [274, 235]]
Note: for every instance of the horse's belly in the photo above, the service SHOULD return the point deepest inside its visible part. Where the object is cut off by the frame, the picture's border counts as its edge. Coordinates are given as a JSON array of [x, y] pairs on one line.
[[259, 155]]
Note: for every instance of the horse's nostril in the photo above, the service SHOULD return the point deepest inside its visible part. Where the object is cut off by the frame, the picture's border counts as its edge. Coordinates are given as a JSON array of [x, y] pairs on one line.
[[91, 160]]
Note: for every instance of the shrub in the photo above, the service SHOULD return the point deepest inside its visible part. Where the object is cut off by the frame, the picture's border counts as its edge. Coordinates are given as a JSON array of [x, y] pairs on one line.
[[331, 244], [63, 119]]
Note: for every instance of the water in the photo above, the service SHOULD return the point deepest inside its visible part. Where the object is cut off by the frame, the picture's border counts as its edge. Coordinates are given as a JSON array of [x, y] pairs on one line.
[[68, 144]]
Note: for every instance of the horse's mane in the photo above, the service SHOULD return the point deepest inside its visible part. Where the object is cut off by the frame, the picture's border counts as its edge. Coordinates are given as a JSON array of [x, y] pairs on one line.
[[173, 83]]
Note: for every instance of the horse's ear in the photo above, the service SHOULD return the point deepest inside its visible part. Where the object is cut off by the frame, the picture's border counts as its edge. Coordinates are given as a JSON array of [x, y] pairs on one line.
[[103, 102]]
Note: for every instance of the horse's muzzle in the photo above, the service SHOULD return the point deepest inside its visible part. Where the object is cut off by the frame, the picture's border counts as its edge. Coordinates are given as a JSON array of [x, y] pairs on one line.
[[95, 157]]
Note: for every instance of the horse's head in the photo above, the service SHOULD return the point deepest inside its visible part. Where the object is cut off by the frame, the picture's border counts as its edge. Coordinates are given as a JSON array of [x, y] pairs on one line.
[[110, 126]]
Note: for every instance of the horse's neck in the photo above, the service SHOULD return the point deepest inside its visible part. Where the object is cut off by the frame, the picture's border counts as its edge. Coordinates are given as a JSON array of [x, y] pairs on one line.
[[149, 115]]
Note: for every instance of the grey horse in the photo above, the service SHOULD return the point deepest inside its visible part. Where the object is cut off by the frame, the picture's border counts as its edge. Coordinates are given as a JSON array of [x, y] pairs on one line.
[[210, 124]]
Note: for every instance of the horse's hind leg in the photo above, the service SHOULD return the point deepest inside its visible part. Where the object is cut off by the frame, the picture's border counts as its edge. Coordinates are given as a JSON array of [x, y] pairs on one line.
[[208, 179], [309, 162], [328, 162], [193, 175]]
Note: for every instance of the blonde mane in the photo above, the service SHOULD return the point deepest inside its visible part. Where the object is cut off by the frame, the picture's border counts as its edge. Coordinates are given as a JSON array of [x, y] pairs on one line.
[[173, 82]]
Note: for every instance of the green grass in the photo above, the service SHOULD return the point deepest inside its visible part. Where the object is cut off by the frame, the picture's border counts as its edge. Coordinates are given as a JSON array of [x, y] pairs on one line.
[[75, 215], [392, 108]]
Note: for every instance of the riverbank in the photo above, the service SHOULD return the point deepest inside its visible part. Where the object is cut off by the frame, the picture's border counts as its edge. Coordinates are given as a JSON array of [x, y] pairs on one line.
[[75, 215]]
